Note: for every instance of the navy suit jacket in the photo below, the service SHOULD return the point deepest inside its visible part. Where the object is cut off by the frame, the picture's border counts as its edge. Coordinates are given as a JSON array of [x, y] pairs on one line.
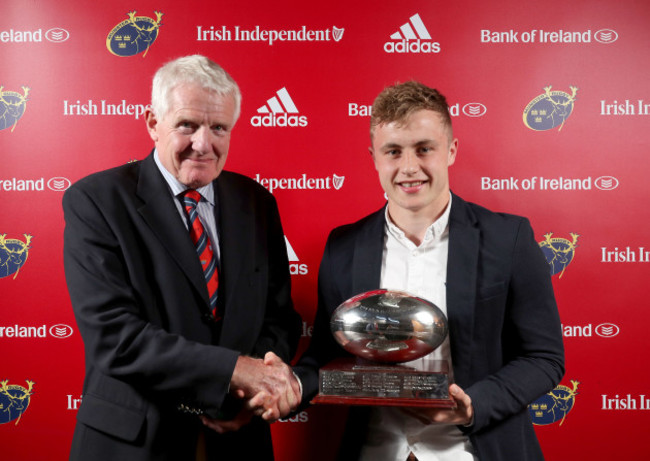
[[154, 360], [505, 333]]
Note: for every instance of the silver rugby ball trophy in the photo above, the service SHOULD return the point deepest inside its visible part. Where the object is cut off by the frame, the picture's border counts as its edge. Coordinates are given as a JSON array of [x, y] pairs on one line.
[[387, 331], [389, 326]]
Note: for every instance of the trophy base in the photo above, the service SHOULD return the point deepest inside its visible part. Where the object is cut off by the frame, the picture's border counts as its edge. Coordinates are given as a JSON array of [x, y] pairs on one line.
[[354, 381]]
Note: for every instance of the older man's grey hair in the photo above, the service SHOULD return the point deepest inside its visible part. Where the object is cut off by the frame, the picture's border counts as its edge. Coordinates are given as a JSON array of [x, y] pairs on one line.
[[194, 69]]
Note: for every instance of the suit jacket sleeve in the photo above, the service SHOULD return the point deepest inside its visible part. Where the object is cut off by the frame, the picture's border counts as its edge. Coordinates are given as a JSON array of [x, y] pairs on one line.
[[524, 358]]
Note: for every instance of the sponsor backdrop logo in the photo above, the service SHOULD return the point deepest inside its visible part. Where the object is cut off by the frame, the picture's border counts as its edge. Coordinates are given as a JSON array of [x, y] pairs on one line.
[[471, 109], [541, 183], [134, 35], [14, 401], [554, 406], [628, 107], [279, 110], [301, 183], [61, 331], [628, 403], [412, 37], [13, 255], [57, 184], [12, 107], [550, 109], [474, 109], [624, 255], [559, 252], [604, 330], [270, 37], [55, 35], [606, 182], [73, 403], [604, 36], [103, 108], [295, 267], [58, 331]]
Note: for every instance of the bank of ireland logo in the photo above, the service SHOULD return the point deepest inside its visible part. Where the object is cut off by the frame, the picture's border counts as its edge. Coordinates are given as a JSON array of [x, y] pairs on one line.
[[13, 255], [606, 182], [59, 184], [57, 35], [606, 36], [550, 109], [554, 406], [61, 331], [474, 109], [14, 400], [134, 35], [12, 107], [279, 110], [607, 330], [412, 37], [559, 252]]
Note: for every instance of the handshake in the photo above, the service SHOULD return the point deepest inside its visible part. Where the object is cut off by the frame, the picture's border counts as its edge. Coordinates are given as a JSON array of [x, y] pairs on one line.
[[269, 390]]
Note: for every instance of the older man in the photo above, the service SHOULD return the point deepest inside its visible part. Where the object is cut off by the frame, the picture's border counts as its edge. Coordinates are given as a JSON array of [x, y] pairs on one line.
[[178, 275]]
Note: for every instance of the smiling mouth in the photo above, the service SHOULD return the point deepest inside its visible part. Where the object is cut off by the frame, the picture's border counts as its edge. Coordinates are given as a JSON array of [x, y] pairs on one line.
[[411, 184], [201, 159]]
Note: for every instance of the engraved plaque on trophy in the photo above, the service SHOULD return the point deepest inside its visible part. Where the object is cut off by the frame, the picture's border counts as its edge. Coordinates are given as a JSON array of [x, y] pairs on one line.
[[389, 332]]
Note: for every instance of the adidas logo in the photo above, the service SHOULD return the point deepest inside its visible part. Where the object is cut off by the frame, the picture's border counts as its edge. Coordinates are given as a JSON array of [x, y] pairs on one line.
[[412, 37], [279, 111], [295, 268]]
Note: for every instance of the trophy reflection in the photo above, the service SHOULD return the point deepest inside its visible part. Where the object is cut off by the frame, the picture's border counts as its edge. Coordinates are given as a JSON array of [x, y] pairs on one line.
[[388, 332]]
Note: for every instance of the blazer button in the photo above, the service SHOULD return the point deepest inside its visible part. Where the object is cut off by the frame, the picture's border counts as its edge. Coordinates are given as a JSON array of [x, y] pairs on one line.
[[207, 318]]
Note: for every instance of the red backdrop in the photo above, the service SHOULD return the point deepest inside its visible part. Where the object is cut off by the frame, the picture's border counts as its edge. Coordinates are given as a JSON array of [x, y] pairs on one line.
[[549, 100]]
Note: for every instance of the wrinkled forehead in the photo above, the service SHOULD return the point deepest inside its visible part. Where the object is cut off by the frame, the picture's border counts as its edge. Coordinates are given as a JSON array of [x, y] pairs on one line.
[[185, 99]]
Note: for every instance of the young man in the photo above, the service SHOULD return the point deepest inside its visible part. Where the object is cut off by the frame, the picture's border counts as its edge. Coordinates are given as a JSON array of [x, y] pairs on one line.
[[483, 269]]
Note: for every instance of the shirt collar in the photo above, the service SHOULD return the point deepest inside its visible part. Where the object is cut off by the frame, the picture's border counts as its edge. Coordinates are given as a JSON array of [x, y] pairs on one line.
[[176, 187], [434, 230]]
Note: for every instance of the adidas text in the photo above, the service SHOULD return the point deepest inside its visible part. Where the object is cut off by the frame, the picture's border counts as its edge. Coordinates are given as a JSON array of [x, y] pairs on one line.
[[412, 46], [279, 120]]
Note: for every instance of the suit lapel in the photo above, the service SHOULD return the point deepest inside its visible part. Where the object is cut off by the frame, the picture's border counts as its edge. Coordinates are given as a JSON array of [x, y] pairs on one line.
[[461, 285], [236, 223], [161, 215], [368, 253]]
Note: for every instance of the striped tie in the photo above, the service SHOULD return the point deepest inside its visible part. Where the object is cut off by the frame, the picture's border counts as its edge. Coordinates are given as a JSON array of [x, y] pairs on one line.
[[203, 246]]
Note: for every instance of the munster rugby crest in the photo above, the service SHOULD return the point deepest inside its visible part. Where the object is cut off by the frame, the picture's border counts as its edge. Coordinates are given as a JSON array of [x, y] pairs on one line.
[[134, 35], [554, 406], [14, 400], [13, 255], [12, 107], [550, 109], [559, 252]]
